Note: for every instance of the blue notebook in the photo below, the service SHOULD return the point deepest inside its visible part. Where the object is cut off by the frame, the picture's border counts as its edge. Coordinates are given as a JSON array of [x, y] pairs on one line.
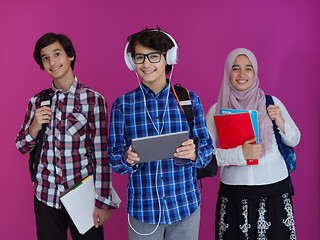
[[253, 115]]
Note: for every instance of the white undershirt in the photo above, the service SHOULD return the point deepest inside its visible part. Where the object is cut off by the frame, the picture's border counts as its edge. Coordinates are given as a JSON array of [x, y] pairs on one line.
[[271, 167]]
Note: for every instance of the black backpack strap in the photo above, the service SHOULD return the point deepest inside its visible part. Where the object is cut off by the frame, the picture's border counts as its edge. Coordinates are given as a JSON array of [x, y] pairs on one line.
[[45, 100], [45, 97], [185, 103]]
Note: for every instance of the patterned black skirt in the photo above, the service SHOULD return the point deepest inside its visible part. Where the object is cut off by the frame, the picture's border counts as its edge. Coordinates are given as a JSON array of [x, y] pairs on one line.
[[255, 212]]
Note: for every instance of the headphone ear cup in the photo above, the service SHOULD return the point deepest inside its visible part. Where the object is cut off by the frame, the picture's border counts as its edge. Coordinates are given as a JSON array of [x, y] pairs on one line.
[[172, 56], [129, 61]]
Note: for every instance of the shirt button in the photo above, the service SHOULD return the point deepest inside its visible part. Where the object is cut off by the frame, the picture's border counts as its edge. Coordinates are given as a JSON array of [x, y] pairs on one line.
[[61, 188], [164, 197]]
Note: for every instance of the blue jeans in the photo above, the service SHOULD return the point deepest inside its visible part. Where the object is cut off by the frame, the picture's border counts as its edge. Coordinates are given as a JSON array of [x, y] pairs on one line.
[[186, 229]]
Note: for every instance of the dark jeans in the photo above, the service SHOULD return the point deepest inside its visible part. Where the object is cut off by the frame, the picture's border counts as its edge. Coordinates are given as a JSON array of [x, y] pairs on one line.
[[52, 224]]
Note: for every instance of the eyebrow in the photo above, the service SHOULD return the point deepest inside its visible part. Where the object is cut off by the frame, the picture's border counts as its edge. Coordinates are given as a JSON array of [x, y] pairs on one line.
[[239, 66], [55, 50], [147, 53]]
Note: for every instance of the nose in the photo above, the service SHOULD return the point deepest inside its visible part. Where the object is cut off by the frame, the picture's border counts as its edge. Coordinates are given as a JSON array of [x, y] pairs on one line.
[[52, 61], [241, 72], [146, 62]]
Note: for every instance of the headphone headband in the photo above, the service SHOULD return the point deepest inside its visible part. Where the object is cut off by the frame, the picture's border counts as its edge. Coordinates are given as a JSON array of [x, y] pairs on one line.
[[171, 56]]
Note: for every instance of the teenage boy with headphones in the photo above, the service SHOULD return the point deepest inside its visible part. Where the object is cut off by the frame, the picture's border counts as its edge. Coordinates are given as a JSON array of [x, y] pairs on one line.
[[163, 197], [74, 146]]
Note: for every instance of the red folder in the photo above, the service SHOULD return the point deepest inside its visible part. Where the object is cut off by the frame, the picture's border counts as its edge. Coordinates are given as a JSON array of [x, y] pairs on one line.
[[233, 130]]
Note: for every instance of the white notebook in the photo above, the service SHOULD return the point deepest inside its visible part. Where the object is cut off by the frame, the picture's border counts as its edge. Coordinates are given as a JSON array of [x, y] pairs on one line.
[[79, 202]]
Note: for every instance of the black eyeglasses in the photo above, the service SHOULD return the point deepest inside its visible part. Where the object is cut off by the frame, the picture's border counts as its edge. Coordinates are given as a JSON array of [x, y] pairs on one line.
[[153, 57]]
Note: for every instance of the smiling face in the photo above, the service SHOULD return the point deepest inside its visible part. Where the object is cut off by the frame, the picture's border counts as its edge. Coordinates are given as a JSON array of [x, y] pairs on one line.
[[56, 62], [152, 74], [242, 73]]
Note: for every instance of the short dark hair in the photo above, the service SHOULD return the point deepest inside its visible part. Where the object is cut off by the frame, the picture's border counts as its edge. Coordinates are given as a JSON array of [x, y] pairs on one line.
[[151, 38], [50, 38]]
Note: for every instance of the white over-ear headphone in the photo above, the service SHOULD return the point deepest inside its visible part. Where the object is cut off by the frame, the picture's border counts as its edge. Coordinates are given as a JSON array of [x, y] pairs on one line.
[[171, 55]]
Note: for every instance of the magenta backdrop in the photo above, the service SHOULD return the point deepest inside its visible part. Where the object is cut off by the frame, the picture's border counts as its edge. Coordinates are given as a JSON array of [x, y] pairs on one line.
[[284, 35]]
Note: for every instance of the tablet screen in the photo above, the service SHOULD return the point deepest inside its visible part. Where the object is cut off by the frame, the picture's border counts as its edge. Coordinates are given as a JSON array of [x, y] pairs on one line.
[[158, 147]]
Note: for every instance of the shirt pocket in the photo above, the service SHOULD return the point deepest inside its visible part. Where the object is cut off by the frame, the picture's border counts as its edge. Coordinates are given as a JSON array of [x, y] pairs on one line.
[[76, 124]]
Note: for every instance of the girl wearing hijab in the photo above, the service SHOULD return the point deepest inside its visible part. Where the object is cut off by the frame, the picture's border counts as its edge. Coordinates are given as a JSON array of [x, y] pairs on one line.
[[254, 201]]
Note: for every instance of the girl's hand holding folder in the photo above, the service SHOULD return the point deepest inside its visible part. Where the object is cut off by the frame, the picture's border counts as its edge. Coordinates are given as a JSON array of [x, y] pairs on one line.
[[251, 150]]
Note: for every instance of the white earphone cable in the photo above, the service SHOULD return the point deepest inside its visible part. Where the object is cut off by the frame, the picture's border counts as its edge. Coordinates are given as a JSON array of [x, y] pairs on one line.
[[154, 230], [159, 133]]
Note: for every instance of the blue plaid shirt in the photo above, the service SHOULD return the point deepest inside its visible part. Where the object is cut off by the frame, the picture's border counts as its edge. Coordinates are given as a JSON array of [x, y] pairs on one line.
[[178, 189]]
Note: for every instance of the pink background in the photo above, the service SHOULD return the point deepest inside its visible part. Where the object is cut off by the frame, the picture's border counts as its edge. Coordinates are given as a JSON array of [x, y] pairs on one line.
[[284, 35]]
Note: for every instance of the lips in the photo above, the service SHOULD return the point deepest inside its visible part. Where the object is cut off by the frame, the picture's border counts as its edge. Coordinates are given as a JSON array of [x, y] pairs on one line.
[[55, 69], [148, 71], [241, 81]]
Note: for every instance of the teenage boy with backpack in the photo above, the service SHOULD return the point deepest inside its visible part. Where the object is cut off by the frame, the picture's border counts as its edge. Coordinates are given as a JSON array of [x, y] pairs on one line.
[[163, 197], [74, 142]]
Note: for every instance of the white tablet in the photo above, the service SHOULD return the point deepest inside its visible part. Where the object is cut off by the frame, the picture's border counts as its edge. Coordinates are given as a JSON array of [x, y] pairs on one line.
[[159, 146]]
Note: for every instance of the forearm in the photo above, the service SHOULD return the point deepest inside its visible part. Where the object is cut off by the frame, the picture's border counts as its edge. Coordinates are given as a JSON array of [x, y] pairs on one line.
[[201, 134], [34, 130], [24, 141], [290, 134], [102, 173], [117, 142], [103, 185], [227, 157], [204, 153], [118, 163]]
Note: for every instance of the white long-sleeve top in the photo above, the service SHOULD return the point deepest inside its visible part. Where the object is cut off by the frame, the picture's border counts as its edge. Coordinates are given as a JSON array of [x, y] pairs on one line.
[[271, 167]]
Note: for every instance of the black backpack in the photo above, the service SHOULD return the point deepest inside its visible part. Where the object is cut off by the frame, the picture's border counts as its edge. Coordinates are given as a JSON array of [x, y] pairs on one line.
[[184, 101], [45, 100]]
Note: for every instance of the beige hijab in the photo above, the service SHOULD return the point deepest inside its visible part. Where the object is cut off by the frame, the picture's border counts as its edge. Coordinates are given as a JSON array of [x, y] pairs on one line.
[[251, 99]]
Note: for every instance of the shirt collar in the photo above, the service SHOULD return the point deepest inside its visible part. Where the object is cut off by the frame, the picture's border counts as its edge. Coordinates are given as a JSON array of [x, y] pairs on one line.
[[72, 90], [147, 90]]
